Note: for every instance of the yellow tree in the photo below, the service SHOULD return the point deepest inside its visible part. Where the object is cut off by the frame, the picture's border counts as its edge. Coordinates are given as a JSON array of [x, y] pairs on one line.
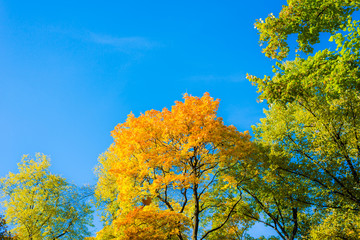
[[41, 205], [167, 166]]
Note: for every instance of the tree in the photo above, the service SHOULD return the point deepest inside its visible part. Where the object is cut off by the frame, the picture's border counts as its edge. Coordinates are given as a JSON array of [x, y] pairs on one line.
[[314, 117], [167, 165], [272, 195], [307, 19], [312, 124], [41, 205]]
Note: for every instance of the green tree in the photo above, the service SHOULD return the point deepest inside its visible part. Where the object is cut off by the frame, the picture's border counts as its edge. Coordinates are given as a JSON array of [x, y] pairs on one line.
[[307, 19], [41, 205], [272, 196], [314, 117], [312, 125]]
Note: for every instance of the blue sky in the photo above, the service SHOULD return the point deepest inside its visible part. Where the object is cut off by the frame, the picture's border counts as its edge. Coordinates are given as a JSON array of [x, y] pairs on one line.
[[72, 70]]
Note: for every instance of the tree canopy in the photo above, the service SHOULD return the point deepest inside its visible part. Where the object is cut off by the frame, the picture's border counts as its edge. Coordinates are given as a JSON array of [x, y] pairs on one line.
[[167, 165], [41, 205], [305, 18], [312, 124]]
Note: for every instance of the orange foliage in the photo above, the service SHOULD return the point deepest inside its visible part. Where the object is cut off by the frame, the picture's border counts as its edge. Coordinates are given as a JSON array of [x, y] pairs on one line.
[[144, 223], [170, 159]]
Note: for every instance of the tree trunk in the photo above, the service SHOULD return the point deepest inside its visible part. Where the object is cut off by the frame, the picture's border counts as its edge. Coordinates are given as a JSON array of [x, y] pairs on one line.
[[196, 214]]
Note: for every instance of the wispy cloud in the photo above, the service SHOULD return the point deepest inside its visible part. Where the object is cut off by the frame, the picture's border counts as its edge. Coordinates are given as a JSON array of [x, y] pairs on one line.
[[128, 44], [125, 44], [213, 78]]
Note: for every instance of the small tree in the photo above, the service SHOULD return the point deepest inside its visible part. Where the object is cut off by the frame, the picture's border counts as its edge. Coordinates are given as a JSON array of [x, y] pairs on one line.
[[42, 205]]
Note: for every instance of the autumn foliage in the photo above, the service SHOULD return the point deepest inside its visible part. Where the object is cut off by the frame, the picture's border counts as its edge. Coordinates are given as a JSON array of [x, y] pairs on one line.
[[173, 157], [181, 173]]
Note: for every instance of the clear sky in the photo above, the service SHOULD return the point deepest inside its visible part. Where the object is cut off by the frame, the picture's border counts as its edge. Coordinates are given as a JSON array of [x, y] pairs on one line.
[[71, 70]]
